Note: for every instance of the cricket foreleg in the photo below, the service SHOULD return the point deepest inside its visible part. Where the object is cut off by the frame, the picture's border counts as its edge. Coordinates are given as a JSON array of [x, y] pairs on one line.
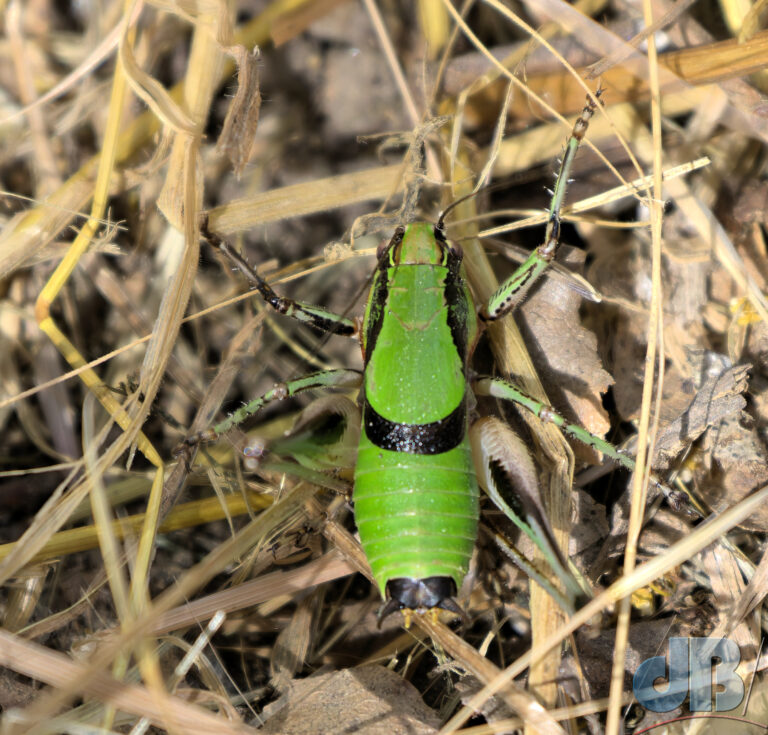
[[514, 289], [340, 378], [314, 316]]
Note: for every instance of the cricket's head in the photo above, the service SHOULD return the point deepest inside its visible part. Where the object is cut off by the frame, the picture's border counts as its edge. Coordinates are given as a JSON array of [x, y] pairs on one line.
[[420, 243]]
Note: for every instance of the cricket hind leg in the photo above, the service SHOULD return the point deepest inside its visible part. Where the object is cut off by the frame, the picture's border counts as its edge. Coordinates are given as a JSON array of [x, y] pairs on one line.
[[320, 447], [507, 474]]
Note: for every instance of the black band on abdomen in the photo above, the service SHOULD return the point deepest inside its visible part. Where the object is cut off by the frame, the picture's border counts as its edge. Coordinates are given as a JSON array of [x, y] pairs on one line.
[[435, 437]]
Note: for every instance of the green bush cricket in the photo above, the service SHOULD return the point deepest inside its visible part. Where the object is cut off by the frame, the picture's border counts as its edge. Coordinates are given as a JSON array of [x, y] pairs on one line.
[[420, 459]]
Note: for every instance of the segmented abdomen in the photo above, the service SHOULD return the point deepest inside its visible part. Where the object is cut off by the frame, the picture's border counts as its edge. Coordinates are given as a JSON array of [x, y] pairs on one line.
[[415, 487], [416, 513]]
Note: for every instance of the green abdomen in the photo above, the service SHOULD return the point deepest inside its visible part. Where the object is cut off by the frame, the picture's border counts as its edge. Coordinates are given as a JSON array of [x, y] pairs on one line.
[[416, 514]]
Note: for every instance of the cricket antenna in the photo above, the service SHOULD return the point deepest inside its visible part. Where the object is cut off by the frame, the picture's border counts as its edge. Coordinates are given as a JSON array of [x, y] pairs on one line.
[[455, 203]]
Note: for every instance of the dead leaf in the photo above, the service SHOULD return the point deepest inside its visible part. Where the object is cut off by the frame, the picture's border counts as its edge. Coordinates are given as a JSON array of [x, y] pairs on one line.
[[289, 653], [239, 130], [721, 396], [368, 700], [590, 524], [740, 466], [565, 353]]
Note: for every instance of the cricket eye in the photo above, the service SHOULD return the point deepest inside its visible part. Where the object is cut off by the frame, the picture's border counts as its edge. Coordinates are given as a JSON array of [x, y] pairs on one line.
[[397, 238]]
